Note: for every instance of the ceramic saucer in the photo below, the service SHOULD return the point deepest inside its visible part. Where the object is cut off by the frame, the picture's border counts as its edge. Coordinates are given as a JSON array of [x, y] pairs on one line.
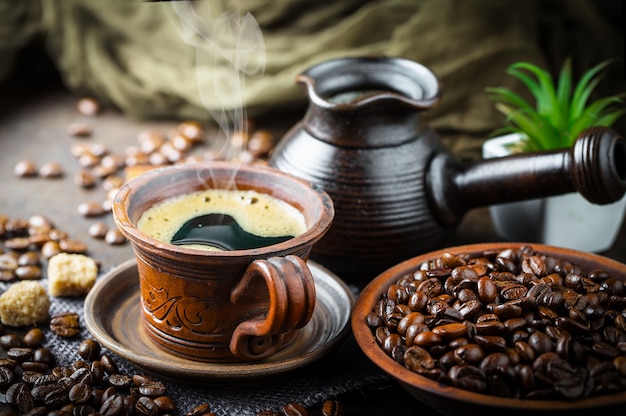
[[113, 317]]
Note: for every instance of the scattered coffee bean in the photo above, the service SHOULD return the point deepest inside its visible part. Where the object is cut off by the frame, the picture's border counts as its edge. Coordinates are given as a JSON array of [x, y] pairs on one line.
[[65, 325], [30, 258], [33, 337], [145, 406], [50, 248], [203, 409], [332, 408], [25, 169], [192, 130], [89, 349], [165, 404], [108, 364], [72, 246], [88, 106], [260, 143], [150, 141], [79, 130], [294, 409], [28, 273], [91, 209], [51, 170], [98, 230], [114, 237], [17, 243], [85, 179]]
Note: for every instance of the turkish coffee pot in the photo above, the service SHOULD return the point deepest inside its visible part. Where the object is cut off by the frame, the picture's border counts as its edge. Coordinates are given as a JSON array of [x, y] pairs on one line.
[[397, 191]]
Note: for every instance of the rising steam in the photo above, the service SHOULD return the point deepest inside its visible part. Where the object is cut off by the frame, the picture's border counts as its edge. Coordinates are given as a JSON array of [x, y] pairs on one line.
[[229, 50]]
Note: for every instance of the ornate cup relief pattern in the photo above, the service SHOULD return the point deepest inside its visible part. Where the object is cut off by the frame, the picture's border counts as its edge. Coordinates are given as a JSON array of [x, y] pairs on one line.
[[180, 313]]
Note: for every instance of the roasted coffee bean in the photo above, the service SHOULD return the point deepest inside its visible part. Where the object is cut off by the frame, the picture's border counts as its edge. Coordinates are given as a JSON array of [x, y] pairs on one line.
[[72, 246], [108, 364], [79, 129], [468, 378], [19, 395], [89, 349], [487, 291], [164, 404], [450, 331], [150, 140], [88, 106], [84, 410], [43, 355], [8, 341], [153, 388], [469, 353], [30, 377], [7, 276], [25, 169], [29, 258], [294, 409], [113, 406], [17, 243], [203, 409], [418, 359], [114, 237], [8, 262], [193, 130], [82, 375], [65, 325], [35, 366], [332, 408], [37, 411], [28, 273], [120, 381], [85, 179], [90, 209], [98, 230], [51, 170], [145, 406], [50, 249], [6, 376], [20, 354], [44, 379]]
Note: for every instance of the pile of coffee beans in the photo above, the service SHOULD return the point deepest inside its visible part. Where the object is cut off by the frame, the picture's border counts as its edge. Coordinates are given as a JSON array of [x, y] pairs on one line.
[[511, 323], [34, 384], [25, 244]]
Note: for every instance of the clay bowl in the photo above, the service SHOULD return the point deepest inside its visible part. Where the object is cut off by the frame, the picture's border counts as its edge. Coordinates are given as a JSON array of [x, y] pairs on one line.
[[453, 401]]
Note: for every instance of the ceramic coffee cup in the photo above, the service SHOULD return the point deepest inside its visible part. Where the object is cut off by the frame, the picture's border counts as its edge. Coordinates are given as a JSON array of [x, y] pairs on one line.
[[223, 306]]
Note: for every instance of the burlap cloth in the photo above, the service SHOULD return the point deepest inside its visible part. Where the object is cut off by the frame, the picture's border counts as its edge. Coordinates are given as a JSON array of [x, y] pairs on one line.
[[144, 59], [344, 369]]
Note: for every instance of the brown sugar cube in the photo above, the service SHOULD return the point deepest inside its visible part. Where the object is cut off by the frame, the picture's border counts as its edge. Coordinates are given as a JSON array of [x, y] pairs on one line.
[[24, 303], [71, 274]]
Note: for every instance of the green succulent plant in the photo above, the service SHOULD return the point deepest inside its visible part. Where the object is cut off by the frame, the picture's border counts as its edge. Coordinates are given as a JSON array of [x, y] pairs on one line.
[[560, 112]]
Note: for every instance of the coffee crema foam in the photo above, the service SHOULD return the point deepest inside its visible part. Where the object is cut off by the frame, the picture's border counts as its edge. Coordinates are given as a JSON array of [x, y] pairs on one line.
[[257, 213]]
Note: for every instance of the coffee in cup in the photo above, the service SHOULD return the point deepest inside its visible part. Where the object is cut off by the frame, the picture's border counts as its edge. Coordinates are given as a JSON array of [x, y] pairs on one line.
[[218, 219], [239, 304]]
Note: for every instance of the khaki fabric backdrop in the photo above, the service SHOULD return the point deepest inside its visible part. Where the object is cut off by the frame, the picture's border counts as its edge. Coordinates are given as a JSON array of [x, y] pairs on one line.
[[137, 57]]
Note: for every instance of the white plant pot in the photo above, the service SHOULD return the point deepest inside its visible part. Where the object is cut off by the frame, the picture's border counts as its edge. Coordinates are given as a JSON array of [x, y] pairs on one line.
[[567, 220]]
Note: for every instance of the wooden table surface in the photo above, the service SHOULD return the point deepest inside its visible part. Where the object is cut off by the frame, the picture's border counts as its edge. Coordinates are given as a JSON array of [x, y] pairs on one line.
[[33, 126]]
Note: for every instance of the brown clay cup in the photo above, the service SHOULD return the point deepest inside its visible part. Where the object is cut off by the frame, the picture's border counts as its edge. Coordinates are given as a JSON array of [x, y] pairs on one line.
[[228, 306]]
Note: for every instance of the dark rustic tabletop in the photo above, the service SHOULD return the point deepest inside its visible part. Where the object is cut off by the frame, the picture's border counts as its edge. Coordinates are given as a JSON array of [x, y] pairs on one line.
[[34, 122]]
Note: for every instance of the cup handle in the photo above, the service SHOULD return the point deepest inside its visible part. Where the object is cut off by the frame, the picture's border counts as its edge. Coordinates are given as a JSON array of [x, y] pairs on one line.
[[291, 302]]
